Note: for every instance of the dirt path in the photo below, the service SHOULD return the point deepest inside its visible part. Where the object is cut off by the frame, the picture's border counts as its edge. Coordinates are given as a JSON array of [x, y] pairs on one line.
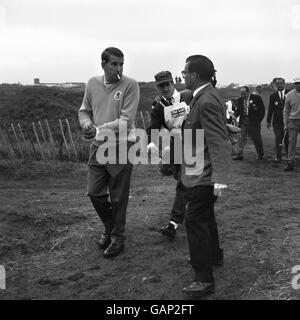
[[48, 235]]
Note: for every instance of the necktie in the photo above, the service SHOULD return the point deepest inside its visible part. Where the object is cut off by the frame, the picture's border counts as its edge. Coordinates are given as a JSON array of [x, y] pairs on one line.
[[245, 107], [170, 101]]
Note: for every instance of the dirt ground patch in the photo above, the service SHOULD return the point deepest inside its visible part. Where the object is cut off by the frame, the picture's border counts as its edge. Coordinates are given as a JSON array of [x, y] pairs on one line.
[[49, 233]]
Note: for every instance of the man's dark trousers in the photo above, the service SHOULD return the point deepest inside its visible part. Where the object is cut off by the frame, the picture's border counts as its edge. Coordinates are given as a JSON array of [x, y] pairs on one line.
[[114, 178], [202, 231], [178, 210], [279, 134], [253, 130]]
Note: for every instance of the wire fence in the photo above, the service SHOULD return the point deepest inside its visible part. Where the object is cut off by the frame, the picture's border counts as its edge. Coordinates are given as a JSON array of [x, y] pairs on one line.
[[50, 139]]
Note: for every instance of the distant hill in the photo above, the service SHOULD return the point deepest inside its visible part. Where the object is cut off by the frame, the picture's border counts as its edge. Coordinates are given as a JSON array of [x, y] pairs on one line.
[[32, 103]]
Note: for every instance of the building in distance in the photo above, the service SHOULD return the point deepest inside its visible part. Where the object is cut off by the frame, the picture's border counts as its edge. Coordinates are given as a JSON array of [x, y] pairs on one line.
[[37, 82]]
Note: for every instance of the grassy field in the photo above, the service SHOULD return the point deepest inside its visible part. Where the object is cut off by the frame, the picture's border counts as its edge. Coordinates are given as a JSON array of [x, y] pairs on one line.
[[49, 233]]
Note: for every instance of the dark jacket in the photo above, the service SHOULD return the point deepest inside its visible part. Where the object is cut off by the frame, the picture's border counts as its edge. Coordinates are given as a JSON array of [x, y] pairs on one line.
[[275, 111], [256, 111], [157, 112], [207, 111]]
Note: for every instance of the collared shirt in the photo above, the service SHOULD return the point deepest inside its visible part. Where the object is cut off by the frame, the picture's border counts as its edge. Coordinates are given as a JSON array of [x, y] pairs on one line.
[[175, 98], [200, 88], [281, 94], [246, 105]]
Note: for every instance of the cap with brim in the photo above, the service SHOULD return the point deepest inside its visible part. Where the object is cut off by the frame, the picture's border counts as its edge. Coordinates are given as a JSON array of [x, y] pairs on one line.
[[163, 77], [297, 80]]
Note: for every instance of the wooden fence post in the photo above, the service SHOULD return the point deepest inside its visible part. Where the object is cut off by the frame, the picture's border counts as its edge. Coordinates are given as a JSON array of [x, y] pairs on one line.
[[64, 138], [18, 142], [31, 142], [38, 140], [71, 138], [24, 140], [45, 141], [49, 132], [143, 120]]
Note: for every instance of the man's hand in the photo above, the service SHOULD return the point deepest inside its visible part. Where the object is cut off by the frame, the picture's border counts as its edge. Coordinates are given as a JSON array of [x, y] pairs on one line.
[[151, 146], [87, 126], [218, 187], [88, 131], [268, 125]]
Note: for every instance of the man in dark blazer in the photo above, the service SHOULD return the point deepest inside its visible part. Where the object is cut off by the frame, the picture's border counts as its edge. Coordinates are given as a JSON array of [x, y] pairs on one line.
[[275, 118], [169, 112], [208, 175], [251, 111]]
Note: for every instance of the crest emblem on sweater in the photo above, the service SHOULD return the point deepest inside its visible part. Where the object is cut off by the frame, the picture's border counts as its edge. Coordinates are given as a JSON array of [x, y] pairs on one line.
[[118, 95]]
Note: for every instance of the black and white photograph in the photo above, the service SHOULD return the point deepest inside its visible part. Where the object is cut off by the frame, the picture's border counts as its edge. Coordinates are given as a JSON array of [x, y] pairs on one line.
[[149, 151]]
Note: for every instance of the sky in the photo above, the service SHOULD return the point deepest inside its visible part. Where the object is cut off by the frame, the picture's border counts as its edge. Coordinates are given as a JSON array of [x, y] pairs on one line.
[[249, 42]]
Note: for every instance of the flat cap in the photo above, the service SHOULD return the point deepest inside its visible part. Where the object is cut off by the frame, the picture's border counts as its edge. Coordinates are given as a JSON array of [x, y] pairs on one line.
[[163, 77]]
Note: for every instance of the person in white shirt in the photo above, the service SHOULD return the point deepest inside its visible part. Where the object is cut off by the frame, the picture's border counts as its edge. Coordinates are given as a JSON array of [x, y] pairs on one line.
[[291, 120]]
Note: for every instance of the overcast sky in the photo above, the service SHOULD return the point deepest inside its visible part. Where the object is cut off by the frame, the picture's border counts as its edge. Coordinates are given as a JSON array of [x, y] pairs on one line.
[[62, 40]]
